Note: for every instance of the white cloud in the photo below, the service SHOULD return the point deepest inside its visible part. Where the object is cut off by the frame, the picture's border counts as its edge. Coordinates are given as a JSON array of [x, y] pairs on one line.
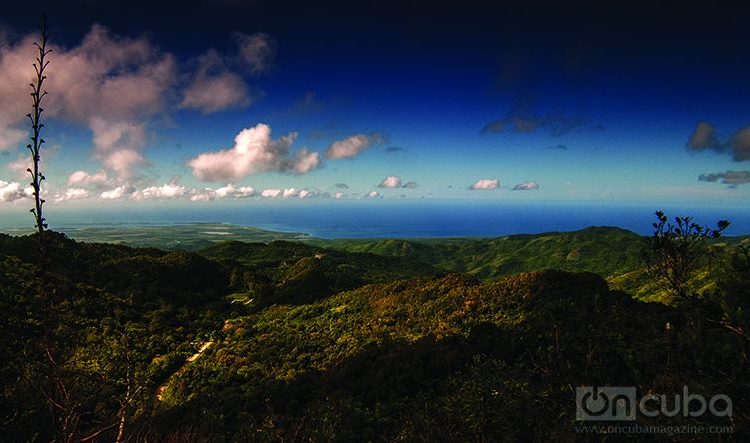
[[116, 193], [485, 183], [305, 161], [254, 151], [290, 192], [201, 197], [167, 191], [216, 93], [271, 193], [214, 88], [12, 191], [83, 178], [117, 86], [526, 186], [373, 194], [338, 195], [225, 192], [391, 181], [72, 194], [352, 146], [104, 82], [118, 145], [231, 191], [306, 193]]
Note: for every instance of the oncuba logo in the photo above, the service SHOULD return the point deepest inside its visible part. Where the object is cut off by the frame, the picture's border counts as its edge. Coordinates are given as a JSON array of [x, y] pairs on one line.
[[619, 403]]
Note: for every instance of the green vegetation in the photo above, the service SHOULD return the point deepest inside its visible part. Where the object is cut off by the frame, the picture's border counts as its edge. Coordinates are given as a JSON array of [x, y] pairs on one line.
[[603, 250], [188, 236], [358, 340]]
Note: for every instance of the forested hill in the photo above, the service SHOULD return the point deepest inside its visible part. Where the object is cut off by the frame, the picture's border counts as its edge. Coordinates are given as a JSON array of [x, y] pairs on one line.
[[604, 250], [381, 342], [607, 251]]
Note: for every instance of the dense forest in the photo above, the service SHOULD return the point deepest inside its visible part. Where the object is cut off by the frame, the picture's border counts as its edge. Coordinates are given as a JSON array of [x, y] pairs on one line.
[[360, 340]]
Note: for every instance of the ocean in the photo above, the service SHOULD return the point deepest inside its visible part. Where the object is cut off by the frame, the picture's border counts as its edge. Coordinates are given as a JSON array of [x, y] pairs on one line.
[[382, 219]]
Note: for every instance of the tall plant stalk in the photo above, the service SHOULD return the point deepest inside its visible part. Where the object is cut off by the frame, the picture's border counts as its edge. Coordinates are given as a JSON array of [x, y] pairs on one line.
[[35, 116]]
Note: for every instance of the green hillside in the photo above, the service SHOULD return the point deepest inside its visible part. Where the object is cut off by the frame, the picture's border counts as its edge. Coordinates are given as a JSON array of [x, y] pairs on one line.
[[293, 341], [603, 250]]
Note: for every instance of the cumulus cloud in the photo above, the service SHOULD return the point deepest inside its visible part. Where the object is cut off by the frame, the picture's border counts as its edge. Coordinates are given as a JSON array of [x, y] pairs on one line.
[[119, 86], [305, 161], [12, 191], [217, 84], [116, 193], [215, 88], [72, 194], [352, 146], [83, 178], [339, 195], [167, 191], [271, 193], [111, 84], [290, 193], [391, 181], [526, 186], [230, 191], [307, 193], [732, 178], [485, 183], [254, 151], [706, 138], [373, 194]]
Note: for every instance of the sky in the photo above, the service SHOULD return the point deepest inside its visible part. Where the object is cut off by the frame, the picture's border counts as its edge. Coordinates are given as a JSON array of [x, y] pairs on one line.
[[195, 103]]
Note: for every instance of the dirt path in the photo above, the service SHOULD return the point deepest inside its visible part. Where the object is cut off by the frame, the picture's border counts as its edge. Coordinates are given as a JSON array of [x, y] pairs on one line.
[[160, 390]]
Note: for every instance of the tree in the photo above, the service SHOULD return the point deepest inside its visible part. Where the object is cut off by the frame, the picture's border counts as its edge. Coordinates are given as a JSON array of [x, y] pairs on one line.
[[735, 294], [676, 250]]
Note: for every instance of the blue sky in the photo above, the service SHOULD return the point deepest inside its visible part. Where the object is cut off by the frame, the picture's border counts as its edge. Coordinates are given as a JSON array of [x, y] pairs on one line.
[[564, 103]]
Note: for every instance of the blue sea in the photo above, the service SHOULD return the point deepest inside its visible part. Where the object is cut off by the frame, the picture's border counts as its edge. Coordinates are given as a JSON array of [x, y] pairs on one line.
[[380, 219]]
